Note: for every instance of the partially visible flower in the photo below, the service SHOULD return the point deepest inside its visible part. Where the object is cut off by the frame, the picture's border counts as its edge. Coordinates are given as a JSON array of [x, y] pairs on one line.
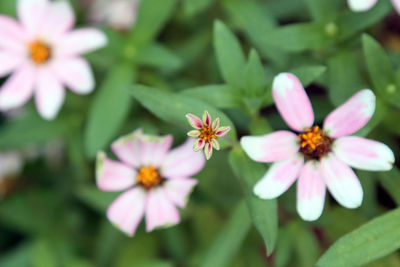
[[364, 5], [207, 133], [11, 164], [43, 54], [118, 14], [317, 157], [156, 180]]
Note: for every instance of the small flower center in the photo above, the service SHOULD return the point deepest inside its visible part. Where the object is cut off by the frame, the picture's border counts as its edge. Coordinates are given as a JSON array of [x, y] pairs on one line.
[[40, 52], [207, 134], [315, 143], [149, 177]]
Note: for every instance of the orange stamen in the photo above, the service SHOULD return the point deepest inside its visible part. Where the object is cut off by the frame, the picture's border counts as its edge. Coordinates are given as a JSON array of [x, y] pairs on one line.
[[40, 52], [149, 177]]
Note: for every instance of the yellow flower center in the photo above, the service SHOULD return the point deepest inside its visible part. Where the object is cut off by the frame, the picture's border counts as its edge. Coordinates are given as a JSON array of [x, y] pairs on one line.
[[314, 143], [149, 177], [207, 134], [40, 52]]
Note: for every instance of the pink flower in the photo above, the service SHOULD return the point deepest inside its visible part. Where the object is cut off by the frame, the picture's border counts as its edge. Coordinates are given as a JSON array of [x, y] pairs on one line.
[[154, 179], [207, 134], [42, 53], [364, 5], [319, 158]]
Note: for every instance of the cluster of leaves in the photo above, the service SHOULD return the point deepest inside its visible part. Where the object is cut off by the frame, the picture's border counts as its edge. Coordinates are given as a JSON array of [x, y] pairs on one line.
[[233, 48]]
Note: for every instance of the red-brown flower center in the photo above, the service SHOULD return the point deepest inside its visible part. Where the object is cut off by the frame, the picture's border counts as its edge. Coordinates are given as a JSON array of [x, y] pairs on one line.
[[149, 177], [207, 134], [315, 143], [40, 52]]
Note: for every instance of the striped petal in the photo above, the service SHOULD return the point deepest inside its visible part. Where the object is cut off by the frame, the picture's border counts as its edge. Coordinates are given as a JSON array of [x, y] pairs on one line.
[[199, 144], [341, 181], [364, 154], [271, 147], [292, 102], [154, 149], [208, 150], [222, 131], [178, 190], [352, 115], [194, 133], [310, 192], [215, 124], [279, 177], [215, 144], [194, 121], [206, 119]]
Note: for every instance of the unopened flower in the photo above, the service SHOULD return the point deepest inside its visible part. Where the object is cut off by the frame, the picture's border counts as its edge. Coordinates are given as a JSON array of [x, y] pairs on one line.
[[42, 53], [364, 5], [317, 157], [119, 14], [154, 179], [207, 133]]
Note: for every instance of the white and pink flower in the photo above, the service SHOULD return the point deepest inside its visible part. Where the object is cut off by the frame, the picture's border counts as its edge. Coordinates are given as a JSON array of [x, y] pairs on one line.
[[207, 133], [43, 54], [317, 158], [154, 179], [364, 5]]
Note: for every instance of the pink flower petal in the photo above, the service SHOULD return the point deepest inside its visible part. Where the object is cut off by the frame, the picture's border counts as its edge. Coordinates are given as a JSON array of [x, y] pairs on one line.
[[271, 147], [112, 175], [215, 124], [206, 119], [18, 88], [365, 154], [49, 94], [310, 192], [292, 102], [182, 162], [352, 115], [396, 5], [200, 143], [127, 210], [79, 42], [222, 131], [178, 190], [75, 73], [9, 61], [160, 210], [154, 149], [215, 144], [279, 177], [194, 121], [32, 13], [194, 133], [127, 148], [341, 181], [208, 150], [59, 19], [361, 5], [13, 36]]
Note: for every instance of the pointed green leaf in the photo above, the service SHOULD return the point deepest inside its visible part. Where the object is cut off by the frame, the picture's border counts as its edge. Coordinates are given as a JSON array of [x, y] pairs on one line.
[[158, 56], [308, 74], [371, 241], [254, 79], [391, 182], [322, 10]]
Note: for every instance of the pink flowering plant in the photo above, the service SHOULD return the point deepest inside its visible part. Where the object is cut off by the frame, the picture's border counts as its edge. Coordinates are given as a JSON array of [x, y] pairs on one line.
[[199, 133]]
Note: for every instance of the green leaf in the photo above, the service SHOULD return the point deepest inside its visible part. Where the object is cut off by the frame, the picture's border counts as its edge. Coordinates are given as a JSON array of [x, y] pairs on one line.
[[308, 74], [262, 212], [229, 240], [156, 55], [344, 77], [380, 71], [322, 10], [43, 254], [95, 198], [300, 37], [220, 96], [193, 7], [254, 79], [229, 54], [373, 240], [153, 15], [109, 109], [391, 182], [174, 110], [18, 256]]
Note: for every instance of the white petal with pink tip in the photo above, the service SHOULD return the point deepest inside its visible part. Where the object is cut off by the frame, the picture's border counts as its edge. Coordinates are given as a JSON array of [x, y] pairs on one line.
[[341, 181], [182, 162], [361, 5], [160, 210], [364, 154], [292, 102], [279, 177], [112, 175], [310, 192], [127, 210], [271, 147], [194, 121], [351, 116], [178, 190]]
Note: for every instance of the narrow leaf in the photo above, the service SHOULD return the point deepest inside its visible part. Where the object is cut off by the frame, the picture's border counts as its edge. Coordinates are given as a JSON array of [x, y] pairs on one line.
[[254, 75]]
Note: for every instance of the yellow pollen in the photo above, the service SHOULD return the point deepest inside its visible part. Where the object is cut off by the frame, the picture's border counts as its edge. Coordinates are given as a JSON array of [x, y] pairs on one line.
[[311, 137], [207, 134], [149, 177], [40, 52]]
